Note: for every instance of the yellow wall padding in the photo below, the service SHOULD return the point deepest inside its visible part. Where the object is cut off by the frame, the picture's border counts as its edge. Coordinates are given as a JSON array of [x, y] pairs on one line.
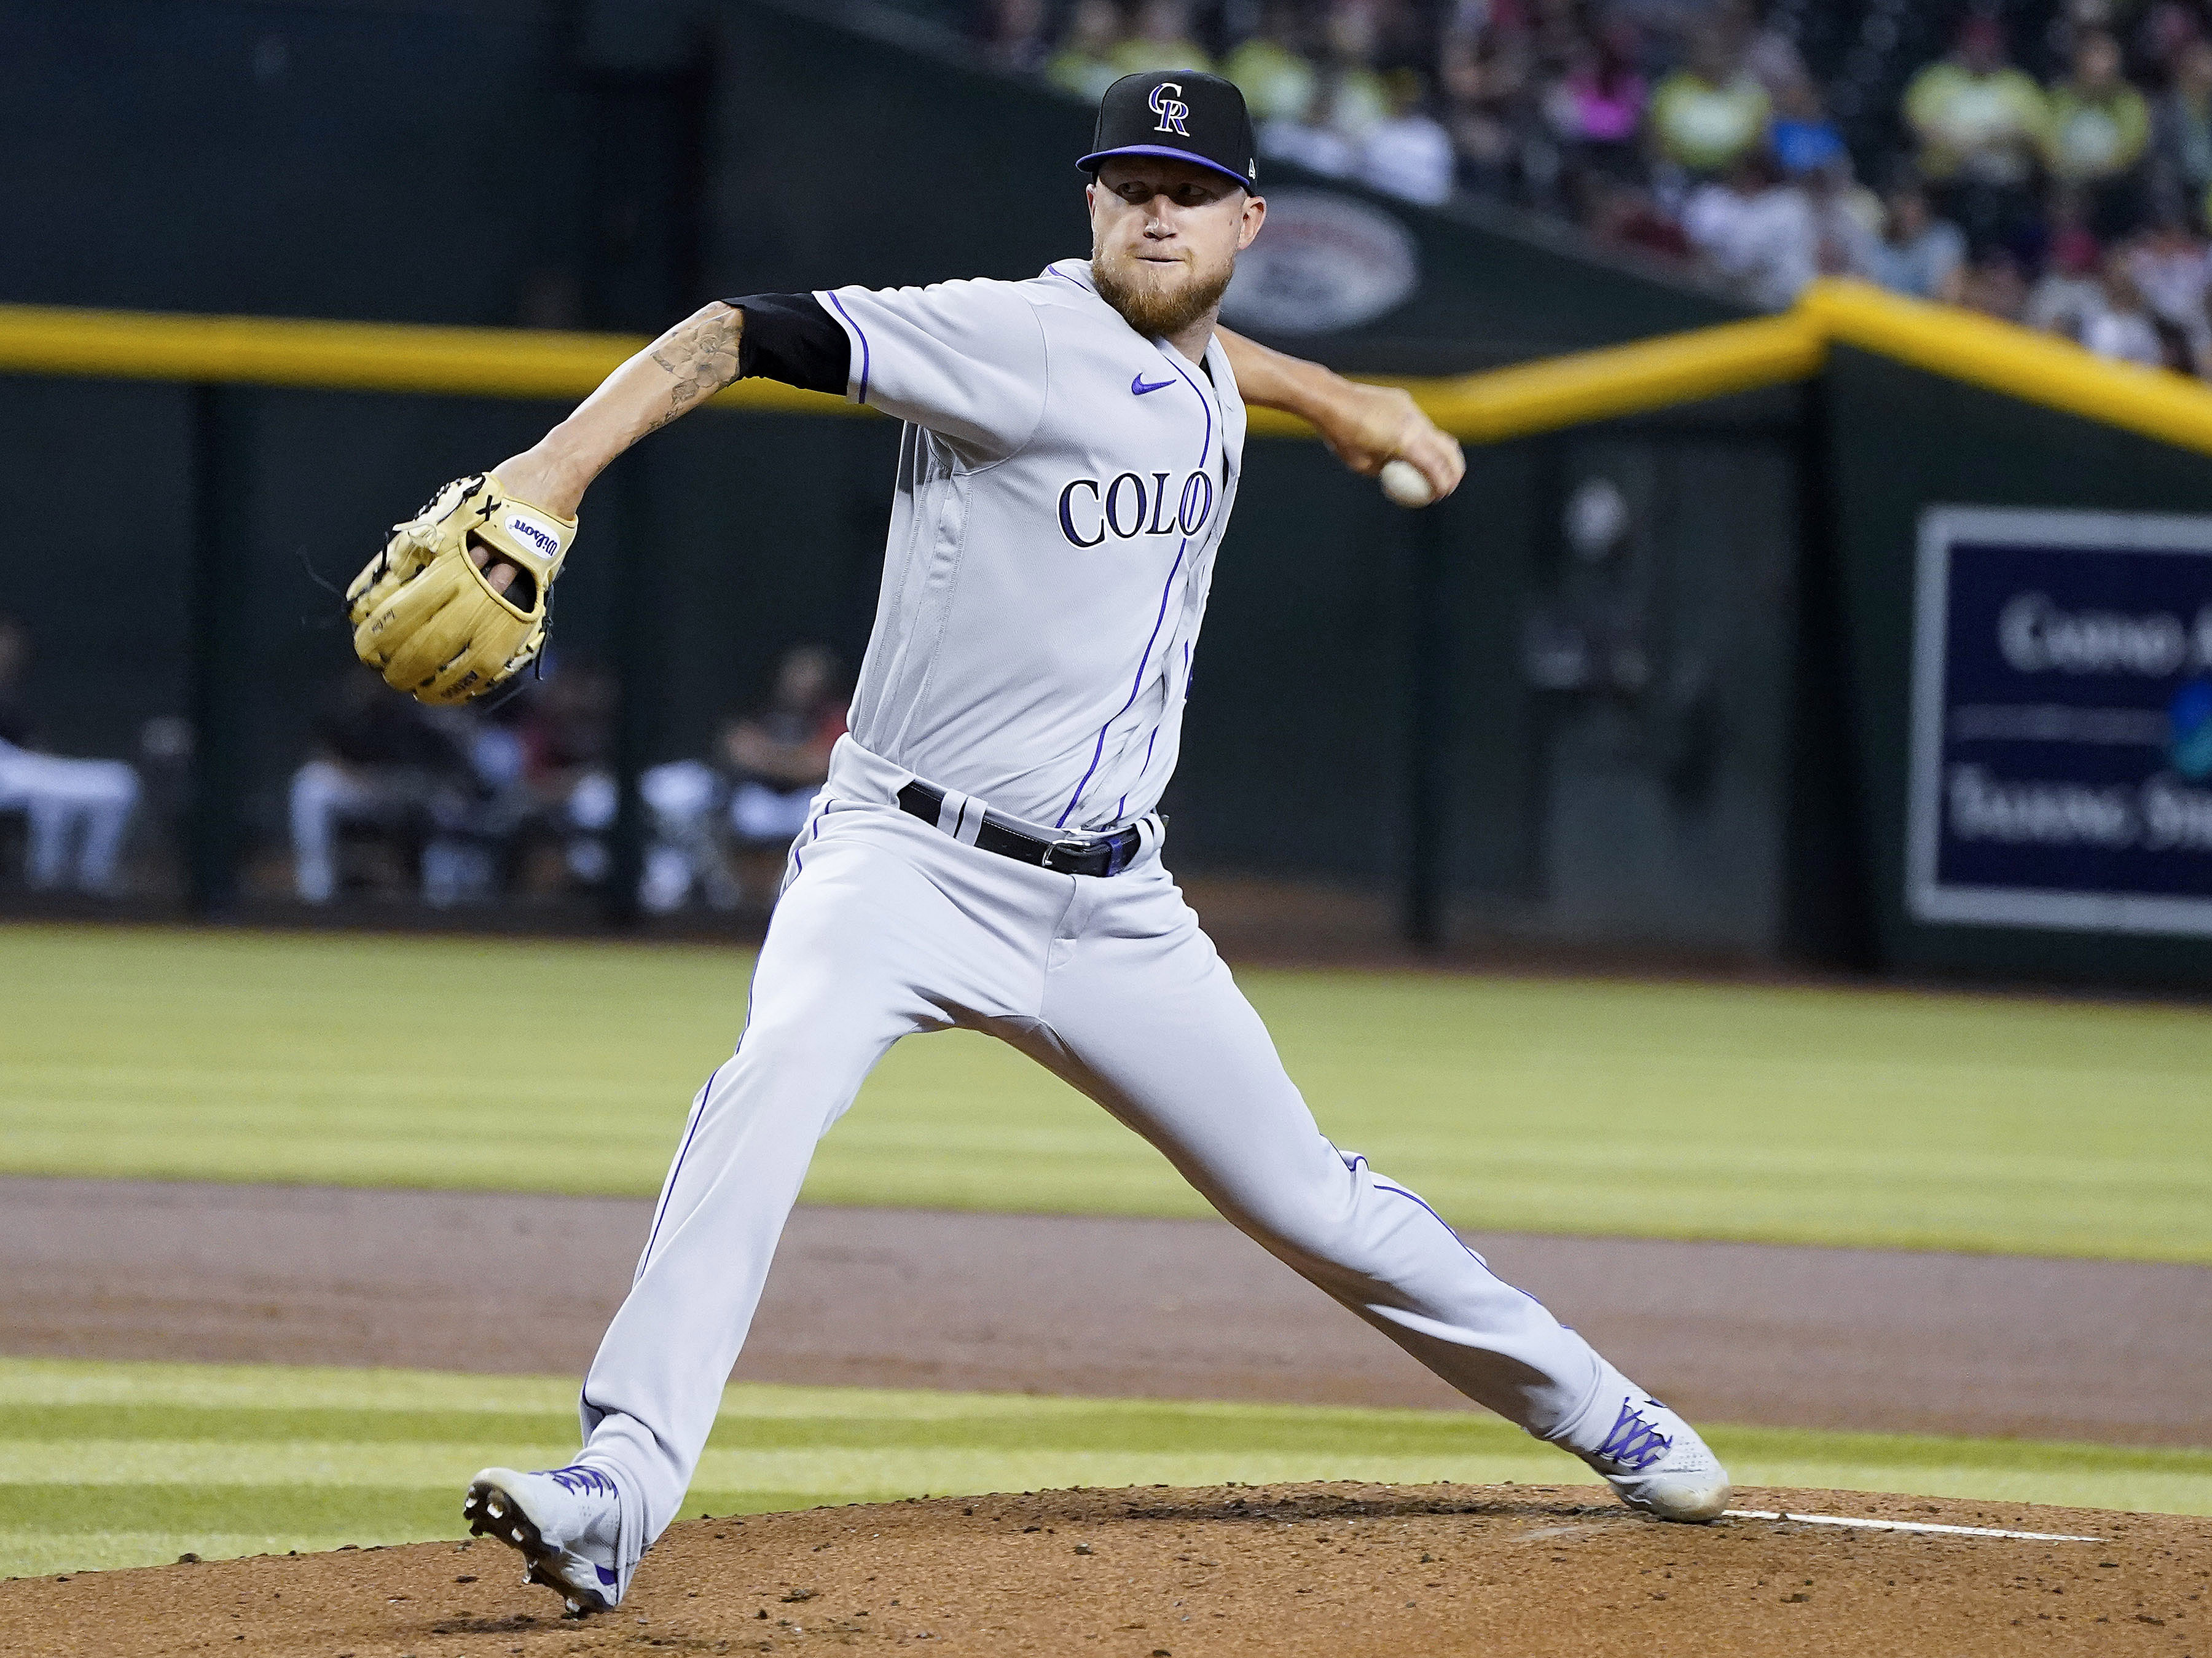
[[1486, 408], [1603, 385], [2019, 362], [1623, 379], [525, 363], [358, 356]]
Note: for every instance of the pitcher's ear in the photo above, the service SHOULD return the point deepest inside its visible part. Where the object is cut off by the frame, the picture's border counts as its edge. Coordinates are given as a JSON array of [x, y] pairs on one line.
[[1255, 215]]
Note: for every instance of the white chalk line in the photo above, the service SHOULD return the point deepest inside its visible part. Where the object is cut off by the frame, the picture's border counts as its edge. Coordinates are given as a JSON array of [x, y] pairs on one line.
[[1904, 1525]]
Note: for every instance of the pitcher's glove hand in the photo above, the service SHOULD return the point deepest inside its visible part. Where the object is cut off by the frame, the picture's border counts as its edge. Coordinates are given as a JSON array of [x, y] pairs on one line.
[[428, 616]]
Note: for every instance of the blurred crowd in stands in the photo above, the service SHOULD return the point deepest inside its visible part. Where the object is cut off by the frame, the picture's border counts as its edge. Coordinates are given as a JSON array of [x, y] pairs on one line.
[[74, 814], [512, 798], [515, 797], [1697, 132]]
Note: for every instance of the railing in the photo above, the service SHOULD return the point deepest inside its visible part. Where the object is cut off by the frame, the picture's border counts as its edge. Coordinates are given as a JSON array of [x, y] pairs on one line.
[[1492, 407]]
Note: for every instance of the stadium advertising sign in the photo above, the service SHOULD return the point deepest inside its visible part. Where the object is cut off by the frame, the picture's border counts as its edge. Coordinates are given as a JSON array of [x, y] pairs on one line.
[[1328, 262], [2062, 729]]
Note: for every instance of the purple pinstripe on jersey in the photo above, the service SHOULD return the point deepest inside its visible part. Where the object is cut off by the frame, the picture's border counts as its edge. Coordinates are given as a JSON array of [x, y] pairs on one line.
[[1122, 810], [1206, 449], [862, 333], [1099, 749]]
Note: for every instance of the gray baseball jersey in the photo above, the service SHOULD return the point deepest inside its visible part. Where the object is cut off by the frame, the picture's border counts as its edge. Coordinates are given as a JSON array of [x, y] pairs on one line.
[[1062, 489]]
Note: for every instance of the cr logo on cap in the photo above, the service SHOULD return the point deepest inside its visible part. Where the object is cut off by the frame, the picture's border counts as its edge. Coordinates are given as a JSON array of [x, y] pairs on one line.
[[1169, 110]]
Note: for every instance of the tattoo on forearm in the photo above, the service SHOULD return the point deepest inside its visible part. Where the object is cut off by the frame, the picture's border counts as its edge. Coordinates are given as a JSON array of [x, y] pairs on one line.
[[702, 356]]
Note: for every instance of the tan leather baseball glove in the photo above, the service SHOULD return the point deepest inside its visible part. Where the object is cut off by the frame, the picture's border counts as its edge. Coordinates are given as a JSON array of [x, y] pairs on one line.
[[425, 617]]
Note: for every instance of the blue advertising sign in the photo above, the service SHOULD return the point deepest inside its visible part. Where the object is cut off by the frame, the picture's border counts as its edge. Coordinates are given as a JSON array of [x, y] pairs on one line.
[[2062, 721]]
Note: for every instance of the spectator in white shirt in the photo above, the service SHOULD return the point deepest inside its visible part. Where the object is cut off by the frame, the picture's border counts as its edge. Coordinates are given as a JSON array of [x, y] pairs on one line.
[[1407, 154], [1312, 141], [1916, 252], [2169, 266], [78, 811], [2124, 329], [1757, 233]]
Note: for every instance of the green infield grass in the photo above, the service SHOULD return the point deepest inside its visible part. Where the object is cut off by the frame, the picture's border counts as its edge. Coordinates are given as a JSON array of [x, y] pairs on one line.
[[1891, 1119], [118, 1464]]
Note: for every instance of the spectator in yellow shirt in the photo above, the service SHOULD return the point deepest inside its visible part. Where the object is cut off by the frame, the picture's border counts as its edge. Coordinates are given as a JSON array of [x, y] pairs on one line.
[[1711, 113], [1085, 64], [2098, 132], [1161, 40], [1271, 70], [1980, 124]]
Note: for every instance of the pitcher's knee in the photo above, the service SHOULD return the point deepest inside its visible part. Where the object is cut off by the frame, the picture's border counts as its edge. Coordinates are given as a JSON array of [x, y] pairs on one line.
[[1320, 1221], [1344, 1216]]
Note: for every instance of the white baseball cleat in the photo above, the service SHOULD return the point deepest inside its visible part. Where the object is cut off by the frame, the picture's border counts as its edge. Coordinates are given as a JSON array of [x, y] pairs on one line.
[[1657, 1463], [565, 1523]]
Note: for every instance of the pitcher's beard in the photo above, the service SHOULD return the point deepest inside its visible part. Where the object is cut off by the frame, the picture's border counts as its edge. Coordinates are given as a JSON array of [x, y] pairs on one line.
[[1151, 311]]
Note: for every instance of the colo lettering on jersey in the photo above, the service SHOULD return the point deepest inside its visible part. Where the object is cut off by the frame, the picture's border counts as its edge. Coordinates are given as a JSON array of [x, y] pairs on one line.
[[1115, 499], [1090, 509], [1068, 518], [1197, 503], [1160, 505]]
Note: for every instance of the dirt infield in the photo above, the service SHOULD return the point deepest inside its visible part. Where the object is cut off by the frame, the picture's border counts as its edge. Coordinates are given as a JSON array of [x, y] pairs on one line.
[[2112, 1352], [1307, 1570]]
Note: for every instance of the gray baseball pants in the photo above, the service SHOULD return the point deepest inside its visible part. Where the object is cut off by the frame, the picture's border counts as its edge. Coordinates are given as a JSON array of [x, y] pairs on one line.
[[888, 926]]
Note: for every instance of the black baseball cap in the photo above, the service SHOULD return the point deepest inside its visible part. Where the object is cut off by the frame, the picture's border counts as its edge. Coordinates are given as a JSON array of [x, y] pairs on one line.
[[1183, 113]]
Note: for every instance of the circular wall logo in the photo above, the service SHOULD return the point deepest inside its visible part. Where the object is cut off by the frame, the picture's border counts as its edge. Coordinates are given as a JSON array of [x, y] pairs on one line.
[[1323, 263]]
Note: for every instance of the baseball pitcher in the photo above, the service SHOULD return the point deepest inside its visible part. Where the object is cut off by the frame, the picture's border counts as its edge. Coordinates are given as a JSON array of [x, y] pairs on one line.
[[987, 852]]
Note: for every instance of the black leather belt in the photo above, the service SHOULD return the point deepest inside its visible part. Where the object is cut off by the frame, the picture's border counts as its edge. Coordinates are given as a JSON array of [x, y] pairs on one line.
[[1108, 856]]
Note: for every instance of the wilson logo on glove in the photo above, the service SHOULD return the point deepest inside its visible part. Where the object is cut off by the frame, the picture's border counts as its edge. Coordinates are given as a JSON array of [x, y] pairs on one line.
[[544, 540], [425, 615]]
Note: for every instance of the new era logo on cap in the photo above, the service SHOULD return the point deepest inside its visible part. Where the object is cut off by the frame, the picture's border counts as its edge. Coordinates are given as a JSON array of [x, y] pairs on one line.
[[1181, 113]]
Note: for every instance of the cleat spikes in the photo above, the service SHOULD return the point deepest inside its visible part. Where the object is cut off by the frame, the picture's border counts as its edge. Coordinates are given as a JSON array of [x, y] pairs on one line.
[[502, 1505]]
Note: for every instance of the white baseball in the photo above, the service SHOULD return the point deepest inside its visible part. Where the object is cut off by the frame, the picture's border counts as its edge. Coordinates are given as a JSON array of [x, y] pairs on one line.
[[1402, 482]]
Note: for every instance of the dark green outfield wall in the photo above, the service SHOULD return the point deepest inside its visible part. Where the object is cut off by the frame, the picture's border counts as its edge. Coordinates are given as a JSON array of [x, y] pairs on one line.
[[1901, 440], [1346, 640], [1369, 707]]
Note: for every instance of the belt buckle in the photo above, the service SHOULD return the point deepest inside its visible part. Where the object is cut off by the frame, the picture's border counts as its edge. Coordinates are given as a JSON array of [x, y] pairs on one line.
[[1054, 849]]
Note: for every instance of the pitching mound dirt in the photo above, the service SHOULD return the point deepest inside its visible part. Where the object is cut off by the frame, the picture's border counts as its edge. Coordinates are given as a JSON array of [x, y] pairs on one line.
[[1332, 1569]]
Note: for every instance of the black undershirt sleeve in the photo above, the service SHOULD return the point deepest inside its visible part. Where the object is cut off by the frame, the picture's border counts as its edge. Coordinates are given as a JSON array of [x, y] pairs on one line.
[[790, 338]]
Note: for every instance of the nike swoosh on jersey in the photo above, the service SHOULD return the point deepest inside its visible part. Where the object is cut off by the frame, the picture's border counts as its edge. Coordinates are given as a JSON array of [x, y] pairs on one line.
[[1137, 383]]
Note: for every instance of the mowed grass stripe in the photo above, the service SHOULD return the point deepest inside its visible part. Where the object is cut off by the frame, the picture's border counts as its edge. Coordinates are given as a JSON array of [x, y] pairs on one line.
[[1889, 1119], [359, 1476], [103, 1464], [1334, 1451], [1152, 1427], [759, 1421]]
